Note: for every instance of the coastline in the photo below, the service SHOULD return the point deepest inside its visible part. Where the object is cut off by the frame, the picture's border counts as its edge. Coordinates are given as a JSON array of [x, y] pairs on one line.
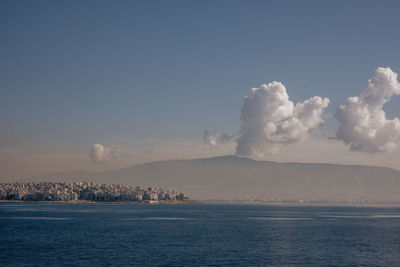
[[172, 202]]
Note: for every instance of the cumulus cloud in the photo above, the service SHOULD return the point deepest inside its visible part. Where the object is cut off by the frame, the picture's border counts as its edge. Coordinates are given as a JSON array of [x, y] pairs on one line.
[[362, 122], [100, 154], [270, 119], [217, 138]]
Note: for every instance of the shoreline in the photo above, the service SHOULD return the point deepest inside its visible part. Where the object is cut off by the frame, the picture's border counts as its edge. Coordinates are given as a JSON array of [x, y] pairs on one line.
[[172, 202]]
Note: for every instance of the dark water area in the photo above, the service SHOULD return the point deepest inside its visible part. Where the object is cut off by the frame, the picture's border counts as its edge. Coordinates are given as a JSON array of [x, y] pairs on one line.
[[43, 234]]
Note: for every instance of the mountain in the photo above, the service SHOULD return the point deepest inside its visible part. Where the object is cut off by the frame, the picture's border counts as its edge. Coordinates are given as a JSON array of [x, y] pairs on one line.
[[235, 178]]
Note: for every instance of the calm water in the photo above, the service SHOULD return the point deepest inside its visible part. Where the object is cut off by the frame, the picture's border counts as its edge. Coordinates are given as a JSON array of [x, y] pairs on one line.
[[197, 234]]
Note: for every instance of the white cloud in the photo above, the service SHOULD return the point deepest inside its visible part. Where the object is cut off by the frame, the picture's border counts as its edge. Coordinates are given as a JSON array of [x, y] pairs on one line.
[[99, 153], [362, 122], [270, 119], [209, 138], [217, 138]]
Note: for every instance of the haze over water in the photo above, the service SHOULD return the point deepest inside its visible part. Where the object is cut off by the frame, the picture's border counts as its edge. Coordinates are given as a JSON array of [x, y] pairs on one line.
[[230, 100]]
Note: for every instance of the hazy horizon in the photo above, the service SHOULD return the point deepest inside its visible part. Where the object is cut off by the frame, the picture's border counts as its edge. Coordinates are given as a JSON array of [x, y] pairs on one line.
[[99, 85], [199, 133]]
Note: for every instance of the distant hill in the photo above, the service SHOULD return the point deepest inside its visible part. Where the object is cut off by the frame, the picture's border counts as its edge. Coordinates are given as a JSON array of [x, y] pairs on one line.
[[235, 178]]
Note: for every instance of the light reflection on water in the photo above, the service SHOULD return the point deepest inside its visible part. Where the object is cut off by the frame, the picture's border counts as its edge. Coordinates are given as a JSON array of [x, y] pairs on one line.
[[197, 234]]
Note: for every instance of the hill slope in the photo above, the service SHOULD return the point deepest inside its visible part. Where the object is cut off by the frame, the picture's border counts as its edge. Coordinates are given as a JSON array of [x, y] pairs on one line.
[[230, 178]]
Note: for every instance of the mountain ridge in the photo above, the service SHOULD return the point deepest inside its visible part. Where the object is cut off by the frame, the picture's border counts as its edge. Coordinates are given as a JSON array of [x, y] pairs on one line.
[[236, 178]]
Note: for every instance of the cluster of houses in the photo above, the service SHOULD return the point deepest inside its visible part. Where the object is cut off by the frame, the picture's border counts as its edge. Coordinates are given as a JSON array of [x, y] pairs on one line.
[[48, 191]]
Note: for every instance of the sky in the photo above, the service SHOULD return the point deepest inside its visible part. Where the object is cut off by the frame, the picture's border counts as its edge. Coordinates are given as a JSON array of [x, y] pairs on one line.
[[145, 79]]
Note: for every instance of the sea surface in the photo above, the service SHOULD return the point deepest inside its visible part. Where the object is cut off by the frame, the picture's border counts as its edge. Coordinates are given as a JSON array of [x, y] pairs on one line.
[[43, 234]]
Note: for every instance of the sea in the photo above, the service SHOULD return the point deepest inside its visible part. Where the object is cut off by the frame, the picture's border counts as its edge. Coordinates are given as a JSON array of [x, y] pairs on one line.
[[96, 234]]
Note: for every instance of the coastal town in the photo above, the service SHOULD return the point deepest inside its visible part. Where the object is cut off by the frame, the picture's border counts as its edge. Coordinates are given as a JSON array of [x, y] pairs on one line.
[[91, 192]]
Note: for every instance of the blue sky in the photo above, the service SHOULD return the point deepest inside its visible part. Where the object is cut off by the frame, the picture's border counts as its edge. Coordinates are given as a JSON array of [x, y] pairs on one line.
[[84, 72]]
